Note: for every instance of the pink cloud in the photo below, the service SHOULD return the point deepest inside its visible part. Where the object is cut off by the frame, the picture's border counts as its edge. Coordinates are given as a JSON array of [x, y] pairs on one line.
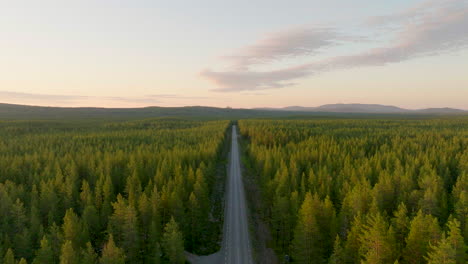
[[428, 29]]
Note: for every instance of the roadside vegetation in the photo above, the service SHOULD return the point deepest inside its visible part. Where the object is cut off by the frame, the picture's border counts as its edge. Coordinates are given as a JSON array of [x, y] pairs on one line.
[[362, 191], [108, 192]]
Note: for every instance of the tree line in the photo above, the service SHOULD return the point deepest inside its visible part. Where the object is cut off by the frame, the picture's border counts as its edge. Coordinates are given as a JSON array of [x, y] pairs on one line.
[[363, 191], [101, 192]]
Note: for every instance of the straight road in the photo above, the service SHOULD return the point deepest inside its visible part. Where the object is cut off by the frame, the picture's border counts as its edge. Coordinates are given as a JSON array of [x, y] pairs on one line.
[[236, 247], [236, 240]]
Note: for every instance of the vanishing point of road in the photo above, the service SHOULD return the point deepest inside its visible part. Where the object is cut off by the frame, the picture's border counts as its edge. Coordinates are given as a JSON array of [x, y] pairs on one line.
[[236, 248]]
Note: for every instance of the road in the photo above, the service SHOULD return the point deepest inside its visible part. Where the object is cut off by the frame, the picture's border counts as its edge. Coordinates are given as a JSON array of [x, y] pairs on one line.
[[236, 248], [236, 240]]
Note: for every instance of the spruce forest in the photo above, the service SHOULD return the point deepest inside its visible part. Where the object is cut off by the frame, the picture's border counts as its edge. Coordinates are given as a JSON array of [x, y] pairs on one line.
[[332, 190], [99, 192], [363, 191]]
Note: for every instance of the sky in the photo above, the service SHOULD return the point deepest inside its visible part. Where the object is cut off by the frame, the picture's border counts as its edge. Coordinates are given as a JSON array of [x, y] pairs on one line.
[[243, 54]]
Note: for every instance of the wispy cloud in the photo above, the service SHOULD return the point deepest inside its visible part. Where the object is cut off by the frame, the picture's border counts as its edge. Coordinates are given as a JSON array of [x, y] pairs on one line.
[[416, 13], [283, 44], [54, 99], [177, 96], [430, 28], [79, 100], [229, 81]]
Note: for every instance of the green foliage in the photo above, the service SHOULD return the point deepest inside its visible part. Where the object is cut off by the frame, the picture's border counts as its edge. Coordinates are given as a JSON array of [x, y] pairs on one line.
[[9, 257], [451, 248], [73, 231], [338, 256], [377, 241], [443, 253], [173, 243], [389, 185], [111, 254], [68, 254], [424, 230], [88, 255], [45, 254], [77, 182]]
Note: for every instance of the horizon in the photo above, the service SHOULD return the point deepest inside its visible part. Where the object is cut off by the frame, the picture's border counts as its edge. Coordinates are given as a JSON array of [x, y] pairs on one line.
[[408, 54], [240, 108]]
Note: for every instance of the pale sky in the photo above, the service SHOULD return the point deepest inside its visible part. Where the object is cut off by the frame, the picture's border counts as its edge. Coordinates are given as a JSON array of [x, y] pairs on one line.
[[244, 53]]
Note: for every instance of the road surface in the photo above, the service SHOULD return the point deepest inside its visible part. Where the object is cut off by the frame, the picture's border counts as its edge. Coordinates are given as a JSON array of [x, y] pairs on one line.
[[236, 248]]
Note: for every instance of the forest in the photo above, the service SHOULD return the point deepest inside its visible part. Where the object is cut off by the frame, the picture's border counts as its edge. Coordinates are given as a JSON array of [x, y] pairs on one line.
[[362, 191], [105, 192], [333, 190]]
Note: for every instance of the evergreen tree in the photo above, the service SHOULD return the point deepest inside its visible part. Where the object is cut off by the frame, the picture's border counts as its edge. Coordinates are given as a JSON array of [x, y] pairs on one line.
[[424, 230], [9, 257], [68, 255], [400, 223], [338, 256], [305, 244], [111, 254], [91, 224], [45, 254], [194, 225], [73, 230], [86, 195], [88, 255], [443, 253], [281, 222], [353, 241], [173, 243], [377, 241], [455, 239], [124, 226], [55, 238]]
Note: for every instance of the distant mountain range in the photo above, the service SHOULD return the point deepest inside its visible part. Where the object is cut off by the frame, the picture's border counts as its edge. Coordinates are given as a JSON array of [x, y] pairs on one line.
[[366, 108], [12, 111]]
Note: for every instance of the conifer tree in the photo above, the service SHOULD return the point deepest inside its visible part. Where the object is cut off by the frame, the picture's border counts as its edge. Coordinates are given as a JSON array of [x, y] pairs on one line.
[[111, 254], [424, 230], [377, 241], [443, 253], [45, 254], [55, 237], [88, 255], [173, 243], [9, 257], [338, 256], [68, 254], [305, 246], [86, 194], [194, 225], [90, 223], [353, 241], [124, 226], [455, 238], [73, 230], [400, 224]]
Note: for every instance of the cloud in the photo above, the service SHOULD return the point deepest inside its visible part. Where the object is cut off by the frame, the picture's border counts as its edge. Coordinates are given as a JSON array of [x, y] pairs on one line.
[[229, 81], [416, 13], [431, 28], [279, 45], [78, 100], [53, 99], [177, 96], [8, 96]]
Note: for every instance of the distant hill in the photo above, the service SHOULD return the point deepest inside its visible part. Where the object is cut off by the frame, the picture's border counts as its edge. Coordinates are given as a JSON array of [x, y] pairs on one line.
[[445, 110], [367, 108], [12, 111]]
